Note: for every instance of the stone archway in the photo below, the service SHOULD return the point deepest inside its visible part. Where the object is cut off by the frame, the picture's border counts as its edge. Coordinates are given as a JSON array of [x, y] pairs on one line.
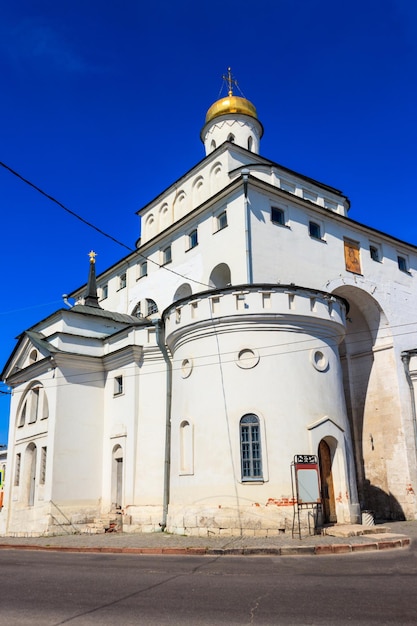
[[372, 400]]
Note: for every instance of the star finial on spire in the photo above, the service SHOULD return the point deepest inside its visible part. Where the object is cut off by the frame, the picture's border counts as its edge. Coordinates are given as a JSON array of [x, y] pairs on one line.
[[92, 256]]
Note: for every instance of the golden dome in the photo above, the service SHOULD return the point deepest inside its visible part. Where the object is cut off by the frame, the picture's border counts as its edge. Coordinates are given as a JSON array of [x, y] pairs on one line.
[[231, 104]]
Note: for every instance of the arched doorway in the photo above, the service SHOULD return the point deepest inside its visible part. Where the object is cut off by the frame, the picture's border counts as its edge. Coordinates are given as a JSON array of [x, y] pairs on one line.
[[117, 478], [30, 473], [326, 481]]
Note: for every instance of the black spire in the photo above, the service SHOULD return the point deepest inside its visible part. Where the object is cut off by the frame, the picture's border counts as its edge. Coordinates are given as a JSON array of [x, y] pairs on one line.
[[91, 298]]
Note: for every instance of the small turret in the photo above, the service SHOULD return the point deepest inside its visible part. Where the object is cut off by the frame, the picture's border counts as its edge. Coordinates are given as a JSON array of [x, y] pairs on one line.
[[233, 119]]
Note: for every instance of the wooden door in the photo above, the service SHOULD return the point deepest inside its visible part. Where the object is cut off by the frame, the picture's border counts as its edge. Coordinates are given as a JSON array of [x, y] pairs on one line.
[[326, 480]]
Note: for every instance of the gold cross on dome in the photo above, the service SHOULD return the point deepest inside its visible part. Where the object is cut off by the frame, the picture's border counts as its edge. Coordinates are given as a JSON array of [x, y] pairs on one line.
[[92, 256], [230, 81]]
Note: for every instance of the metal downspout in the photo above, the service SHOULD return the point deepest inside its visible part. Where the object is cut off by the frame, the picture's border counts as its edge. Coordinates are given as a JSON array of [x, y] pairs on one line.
[[248, 234], [160, 340]]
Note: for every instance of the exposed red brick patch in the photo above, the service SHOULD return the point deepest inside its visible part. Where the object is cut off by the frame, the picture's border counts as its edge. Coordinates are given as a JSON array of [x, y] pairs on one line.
[[387, 545], [364, 547], [341, 548]]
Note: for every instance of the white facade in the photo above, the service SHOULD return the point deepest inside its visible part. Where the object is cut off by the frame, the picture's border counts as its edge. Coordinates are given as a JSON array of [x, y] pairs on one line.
[[254, 322]]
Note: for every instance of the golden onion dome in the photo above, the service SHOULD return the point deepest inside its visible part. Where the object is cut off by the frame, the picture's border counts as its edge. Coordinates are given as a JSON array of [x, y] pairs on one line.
[[231, 104]]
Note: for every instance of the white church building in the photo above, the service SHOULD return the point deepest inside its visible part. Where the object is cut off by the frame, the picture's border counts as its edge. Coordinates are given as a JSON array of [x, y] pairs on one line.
[[253, 323]]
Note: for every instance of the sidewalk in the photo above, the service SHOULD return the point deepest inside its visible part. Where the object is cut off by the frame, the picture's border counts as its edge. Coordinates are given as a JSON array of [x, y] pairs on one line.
[[381, 537]]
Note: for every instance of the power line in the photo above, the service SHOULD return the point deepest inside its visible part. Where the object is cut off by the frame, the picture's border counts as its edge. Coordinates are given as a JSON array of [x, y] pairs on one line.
[[96, 228]]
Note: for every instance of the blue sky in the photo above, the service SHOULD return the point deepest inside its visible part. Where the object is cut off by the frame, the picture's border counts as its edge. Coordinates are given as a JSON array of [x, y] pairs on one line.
[[102, 104]]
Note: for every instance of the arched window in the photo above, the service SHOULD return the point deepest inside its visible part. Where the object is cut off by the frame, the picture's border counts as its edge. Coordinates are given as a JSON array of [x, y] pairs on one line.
[[151, 307], [250, 448], [220, 276], [117, 478], [186, 448], [231, 138], [137, 310], [213, 144], [34, 406], [183, 291], [250, 143], [30, 474]]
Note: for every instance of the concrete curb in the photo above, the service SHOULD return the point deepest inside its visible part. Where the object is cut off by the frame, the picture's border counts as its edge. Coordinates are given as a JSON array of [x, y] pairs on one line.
[[337, 548]]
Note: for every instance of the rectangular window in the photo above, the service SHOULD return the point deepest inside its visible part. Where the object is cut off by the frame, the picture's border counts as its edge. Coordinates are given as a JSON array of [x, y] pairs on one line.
[[118, 385], [250, 448], [402, 263], [221, 220], [277, 216], [104, 291], [143, 269], [314, 230], [374, 252], [192, 239], [122, 281], [43, 466], [167, 255], [17, 469]]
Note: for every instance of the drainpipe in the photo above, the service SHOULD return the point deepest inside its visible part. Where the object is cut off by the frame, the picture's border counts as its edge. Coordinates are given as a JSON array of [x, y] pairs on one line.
[[248, 235], [405, 358], [160, 340]]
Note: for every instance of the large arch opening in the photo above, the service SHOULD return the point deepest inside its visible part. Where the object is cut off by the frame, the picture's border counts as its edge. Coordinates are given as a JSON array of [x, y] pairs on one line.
[[372, 400]]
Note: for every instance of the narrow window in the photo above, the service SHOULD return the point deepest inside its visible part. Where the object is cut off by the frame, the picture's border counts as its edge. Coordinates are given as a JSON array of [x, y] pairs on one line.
[[221, 220], [231, 138], [122, 281], [22, 417], [34, 405], [143, 269], [374, 252], [167, 255], [192, 239], [314, 230], [277, 216], [402, 263], [104, 291], [186, 448], [250, 143], [151, 306], [137, 310], [43, 466], [250, 448], [118, 385], [17, 469]]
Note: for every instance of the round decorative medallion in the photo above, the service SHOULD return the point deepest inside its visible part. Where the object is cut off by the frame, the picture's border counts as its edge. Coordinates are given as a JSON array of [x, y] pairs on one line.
[[186, 368], [247, 358], [319, 360]]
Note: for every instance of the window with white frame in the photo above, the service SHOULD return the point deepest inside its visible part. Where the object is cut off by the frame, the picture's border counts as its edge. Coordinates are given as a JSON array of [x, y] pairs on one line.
[[250, 448], [192, 239], [221, 220], [143, 269], [104, 291], [166, 255], [118, 385]]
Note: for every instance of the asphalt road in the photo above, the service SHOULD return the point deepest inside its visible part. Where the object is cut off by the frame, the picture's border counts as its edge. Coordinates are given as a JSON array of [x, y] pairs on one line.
[[40, 589]]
